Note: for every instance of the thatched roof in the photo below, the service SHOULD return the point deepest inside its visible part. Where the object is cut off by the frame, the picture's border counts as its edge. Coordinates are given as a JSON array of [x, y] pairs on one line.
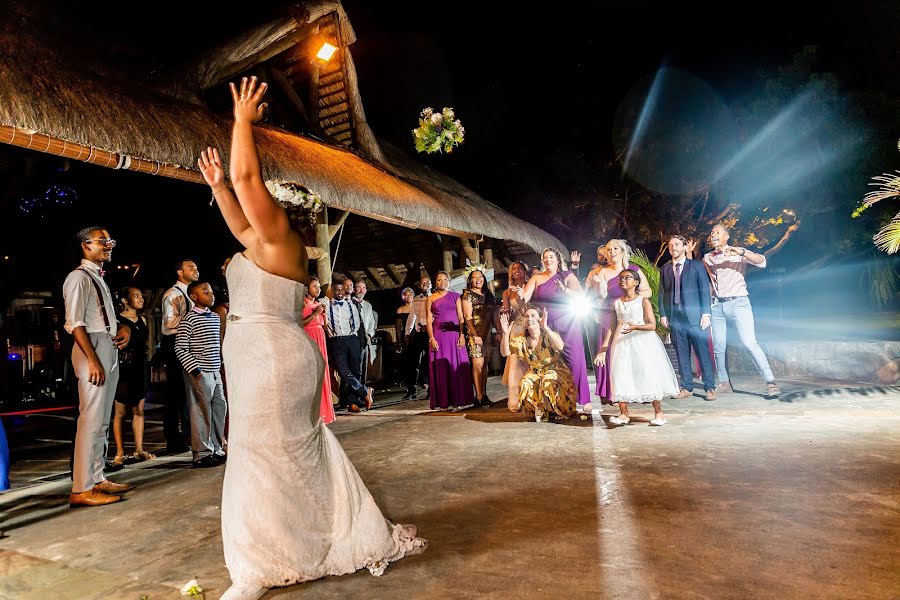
[[43, 92]]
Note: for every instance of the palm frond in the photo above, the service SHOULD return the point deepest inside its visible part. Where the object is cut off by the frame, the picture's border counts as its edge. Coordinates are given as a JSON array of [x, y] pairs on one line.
[[888, 239], [888, 187], [652, 272]]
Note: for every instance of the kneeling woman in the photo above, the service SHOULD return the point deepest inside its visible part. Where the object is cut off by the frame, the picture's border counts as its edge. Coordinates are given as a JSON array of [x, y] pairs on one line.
[[547, 388]]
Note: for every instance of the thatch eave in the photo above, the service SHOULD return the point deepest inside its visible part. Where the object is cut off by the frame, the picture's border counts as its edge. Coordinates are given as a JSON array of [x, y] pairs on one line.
[[39, 92]]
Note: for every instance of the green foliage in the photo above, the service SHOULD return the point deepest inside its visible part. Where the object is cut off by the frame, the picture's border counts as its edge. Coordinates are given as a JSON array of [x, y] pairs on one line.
[[879, 276], [652, 272]]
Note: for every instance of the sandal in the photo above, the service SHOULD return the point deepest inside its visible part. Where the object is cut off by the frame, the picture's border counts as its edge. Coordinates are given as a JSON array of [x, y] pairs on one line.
[[120, 460], [620, 420], [143, 455]]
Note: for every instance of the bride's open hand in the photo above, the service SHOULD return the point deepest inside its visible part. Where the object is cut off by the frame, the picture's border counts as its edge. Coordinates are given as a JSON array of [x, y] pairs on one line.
[[211, 167], [247, 100]]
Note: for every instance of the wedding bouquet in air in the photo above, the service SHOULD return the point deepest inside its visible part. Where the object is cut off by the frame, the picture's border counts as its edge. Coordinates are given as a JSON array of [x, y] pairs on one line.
[[438, 131]]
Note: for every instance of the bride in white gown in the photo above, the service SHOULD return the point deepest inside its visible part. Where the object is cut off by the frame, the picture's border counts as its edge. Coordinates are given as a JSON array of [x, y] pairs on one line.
[[293, 506]]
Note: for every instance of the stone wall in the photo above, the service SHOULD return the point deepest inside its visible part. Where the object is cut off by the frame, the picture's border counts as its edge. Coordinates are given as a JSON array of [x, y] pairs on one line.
[[871, 362]]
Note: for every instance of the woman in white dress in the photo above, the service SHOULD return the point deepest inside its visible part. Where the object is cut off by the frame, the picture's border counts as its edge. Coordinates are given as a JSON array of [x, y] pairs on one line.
[[293, 506], [639, 368]]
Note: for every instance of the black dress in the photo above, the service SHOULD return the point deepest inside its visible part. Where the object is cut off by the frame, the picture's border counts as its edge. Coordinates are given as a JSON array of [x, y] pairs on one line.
[[133, 364]]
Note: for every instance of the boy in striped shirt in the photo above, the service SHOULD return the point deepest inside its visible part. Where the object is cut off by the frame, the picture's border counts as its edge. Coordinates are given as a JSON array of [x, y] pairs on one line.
[[198, 347]]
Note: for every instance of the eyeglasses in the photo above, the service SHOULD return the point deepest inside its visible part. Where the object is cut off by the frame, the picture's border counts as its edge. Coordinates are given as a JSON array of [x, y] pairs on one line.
[[625, 277], [107, 242]]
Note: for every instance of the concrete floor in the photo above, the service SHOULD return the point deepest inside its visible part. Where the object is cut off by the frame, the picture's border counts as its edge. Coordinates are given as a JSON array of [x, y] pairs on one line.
[[740, 498]]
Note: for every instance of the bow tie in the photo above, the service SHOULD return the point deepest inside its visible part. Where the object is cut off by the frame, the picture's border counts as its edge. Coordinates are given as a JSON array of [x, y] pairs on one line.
[[339, 302]]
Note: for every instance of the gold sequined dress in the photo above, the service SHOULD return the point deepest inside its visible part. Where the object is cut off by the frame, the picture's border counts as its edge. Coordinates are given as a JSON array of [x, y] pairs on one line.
[[547, 387], [482, 318]]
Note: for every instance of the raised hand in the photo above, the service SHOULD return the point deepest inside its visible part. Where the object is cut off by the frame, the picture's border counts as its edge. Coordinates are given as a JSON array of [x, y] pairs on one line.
[[211, 167], [732, 251], [544, 316], [504, 322], [691, 247], [248, 105], [575, 257]]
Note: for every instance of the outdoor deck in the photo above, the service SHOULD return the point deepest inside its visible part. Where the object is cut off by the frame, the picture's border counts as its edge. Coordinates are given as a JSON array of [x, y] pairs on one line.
[[738, 498]]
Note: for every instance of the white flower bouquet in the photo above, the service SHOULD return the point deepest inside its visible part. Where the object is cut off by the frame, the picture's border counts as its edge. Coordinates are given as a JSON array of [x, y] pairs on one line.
[[438, 131], [293, 195]]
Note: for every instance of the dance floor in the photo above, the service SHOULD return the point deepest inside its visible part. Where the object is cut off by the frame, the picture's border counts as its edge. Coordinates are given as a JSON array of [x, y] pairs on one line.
[[744, 497]]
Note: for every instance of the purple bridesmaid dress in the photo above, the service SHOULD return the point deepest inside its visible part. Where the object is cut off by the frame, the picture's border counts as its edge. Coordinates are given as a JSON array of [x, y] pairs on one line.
[[607, 315], [450, 373], [563, 320]]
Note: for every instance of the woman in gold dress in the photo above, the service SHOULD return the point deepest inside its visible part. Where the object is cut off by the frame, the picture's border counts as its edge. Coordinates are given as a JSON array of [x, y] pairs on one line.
[[547, 388], [478, 305]]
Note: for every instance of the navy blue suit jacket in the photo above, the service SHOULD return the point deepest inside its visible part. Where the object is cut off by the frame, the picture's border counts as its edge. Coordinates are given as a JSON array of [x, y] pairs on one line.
[[695, 290]]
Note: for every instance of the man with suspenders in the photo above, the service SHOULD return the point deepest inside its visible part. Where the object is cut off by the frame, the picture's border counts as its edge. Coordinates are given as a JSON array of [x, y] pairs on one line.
[[91, 319]]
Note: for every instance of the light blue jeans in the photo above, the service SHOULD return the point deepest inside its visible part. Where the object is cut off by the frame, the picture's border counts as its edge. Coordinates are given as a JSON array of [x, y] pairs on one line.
[[740, 313]]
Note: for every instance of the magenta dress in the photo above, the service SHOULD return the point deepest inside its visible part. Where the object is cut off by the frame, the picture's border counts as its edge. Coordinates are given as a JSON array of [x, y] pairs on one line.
[[564, 321], [450, 373], [607, 315]]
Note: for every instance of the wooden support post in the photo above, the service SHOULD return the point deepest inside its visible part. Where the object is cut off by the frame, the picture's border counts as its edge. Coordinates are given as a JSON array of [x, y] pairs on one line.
[[488, 257], [468, 252], [323, 242], [448, 260]]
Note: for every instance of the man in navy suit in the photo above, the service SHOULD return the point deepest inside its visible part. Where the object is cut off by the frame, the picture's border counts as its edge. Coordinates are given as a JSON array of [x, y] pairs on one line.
[[684, 308]]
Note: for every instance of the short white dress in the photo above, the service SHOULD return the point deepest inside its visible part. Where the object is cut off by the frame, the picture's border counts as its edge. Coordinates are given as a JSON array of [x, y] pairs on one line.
[[639, 369]]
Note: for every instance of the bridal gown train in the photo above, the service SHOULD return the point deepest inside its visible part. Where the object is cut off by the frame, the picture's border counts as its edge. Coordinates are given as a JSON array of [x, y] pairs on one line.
[[293, 506]]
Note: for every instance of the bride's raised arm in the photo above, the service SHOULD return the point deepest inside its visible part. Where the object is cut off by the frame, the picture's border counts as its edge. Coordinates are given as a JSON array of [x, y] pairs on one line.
[[267, 219], [211, 167]]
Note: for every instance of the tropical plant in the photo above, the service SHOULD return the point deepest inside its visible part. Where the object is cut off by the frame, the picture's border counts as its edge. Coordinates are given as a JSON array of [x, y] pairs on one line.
[[652, 272], [887, 186]]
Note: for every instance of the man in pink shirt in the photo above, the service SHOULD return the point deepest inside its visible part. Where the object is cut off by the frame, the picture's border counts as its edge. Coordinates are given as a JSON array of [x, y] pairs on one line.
[[731, 302]]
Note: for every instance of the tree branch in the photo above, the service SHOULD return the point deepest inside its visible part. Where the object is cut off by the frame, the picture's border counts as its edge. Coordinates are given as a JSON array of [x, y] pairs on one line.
[[783, 240]]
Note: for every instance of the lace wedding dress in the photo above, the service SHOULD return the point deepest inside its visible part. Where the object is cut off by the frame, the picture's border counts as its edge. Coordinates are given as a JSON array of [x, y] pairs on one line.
[[639, 368], [293, 506]]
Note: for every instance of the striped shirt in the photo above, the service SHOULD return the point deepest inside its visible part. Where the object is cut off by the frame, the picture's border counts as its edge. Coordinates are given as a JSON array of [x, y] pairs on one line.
[[197, 342]]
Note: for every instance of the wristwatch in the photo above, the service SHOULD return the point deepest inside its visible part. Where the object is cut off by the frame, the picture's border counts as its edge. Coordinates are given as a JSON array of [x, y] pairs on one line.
[[743, 251]]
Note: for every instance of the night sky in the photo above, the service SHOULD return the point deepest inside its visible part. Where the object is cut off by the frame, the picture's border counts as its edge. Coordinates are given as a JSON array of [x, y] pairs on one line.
[[538, 92]]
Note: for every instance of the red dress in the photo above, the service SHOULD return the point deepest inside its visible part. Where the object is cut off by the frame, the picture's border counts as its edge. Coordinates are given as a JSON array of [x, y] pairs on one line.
[[316, 330]]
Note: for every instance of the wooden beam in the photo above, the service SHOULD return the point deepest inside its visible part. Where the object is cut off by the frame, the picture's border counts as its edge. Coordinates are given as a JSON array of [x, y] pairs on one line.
[[333, 229], [398, 272], [362, 276], [290, 93], [251, 48], [384, 282]]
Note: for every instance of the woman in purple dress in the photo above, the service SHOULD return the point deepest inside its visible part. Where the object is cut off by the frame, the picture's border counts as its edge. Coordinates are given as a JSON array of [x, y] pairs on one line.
[[450, 383], [552, 288], [605, 284]]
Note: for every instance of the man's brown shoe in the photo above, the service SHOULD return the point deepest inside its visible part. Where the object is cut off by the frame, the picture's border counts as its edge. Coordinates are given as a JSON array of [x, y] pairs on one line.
[[724, 388], [710, 394], [353, 408], [108, 487], [683, 394], [92, 498]]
